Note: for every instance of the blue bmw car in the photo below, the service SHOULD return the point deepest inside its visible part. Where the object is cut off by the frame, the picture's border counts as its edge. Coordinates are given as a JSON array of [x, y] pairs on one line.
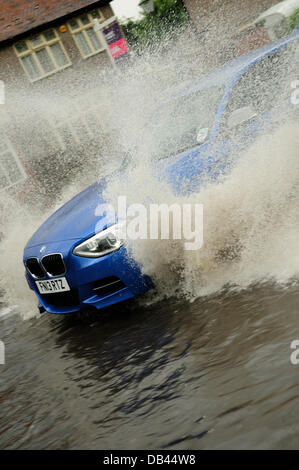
[[72, 267]]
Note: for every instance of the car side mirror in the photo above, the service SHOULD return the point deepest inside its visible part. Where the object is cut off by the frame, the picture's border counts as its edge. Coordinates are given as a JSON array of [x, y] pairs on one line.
[[241, 116]]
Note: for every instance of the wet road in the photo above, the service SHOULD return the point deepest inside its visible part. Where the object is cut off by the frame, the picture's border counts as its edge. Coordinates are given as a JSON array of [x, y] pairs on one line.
[[215, 373]]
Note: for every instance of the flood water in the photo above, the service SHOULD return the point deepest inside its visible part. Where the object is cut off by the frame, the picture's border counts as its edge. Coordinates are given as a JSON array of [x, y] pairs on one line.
[[206, 363], [212, 374]]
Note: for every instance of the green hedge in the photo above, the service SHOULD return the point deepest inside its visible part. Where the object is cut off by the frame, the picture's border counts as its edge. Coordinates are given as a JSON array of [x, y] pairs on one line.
[[164, 23], [294, 20]]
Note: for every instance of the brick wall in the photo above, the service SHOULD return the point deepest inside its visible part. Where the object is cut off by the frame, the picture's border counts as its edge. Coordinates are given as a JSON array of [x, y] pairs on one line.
[[215, 23], [12, 73], [226, 12], [23, 119]]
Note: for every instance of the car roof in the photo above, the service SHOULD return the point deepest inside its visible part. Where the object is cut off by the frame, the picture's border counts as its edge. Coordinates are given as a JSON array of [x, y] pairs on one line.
[[223, 75]]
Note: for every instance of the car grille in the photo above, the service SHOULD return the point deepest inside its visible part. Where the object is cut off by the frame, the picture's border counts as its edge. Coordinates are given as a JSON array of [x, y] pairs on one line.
[[53, 264], [108, 285], [34, 268], [62, 299]]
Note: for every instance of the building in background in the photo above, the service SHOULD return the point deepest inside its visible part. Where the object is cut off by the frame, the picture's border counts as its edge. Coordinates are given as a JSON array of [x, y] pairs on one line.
[[40, 39], [216, 21], [205, 13], [49, 47]]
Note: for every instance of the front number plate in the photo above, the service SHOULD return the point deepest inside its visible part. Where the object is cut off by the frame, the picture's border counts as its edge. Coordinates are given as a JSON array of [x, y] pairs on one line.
[[53, 286]]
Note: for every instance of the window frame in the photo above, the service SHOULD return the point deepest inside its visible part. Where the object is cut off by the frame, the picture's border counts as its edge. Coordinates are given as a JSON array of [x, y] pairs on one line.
[[46, 45], [9, 149], [57, 123], [83, 28]]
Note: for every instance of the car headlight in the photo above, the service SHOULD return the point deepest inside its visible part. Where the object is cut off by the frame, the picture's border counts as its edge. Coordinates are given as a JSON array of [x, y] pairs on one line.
[[103, 243]]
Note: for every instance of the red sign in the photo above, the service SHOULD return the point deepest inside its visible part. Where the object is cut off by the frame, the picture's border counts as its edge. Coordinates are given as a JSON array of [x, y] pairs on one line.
[[118, 48]]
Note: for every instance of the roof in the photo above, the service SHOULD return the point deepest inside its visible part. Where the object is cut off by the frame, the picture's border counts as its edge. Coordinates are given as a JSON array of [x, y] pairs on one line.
[[223, 75], [20, 16]]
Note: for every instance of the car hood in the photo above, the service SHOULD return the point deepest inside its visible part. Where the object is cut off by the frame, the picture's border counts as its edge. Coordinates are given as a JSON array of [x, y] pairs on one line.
[[87, 213], [78, 219]]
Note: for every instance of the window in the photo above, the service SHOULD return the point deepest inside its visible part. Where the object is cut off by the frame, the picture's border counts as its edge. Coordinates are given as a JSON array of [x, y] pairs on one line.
[[11, 169], [87, 40], [266, 84], [176, 126], [42, 55]]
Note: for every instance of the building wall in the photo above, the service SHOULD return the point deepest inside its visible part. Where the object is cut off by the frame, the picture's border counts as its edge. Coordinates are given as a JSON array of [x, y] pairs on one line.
[[12, 72], [231, 13], [54, 125], [215, 23]]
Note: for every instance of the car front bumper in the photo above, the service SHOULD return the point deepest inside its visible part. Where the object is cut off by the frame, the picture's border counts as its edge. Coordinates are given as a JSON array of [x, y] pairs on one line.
[[84, 275]]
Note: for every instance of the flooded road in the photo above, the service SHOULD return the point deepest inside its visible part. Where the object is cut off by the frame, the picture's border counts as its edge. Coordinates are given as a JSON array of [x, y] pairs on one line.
[[210, 367], [211, 374]]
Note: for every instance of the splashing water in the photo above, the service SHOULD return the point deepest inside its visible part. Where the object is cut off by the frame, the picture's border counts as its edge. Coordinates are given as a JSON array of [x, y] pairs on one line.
[[253, 211]]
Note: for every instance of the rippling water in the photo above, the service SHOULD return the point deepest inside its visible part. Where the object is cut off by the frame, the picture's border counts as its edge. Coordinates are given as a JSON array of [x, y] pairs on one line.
[[215, 373]]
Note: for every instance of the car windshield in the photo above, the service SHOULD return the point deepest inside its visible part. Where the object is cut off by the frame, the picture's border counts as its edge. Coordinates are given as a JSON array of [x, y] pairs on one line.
[[185, 122]]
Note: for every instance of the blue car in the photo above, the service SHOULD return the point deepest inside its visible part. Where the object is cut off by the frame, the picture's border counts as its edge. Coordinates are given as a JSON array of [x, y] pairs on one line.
[[77, 261]]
